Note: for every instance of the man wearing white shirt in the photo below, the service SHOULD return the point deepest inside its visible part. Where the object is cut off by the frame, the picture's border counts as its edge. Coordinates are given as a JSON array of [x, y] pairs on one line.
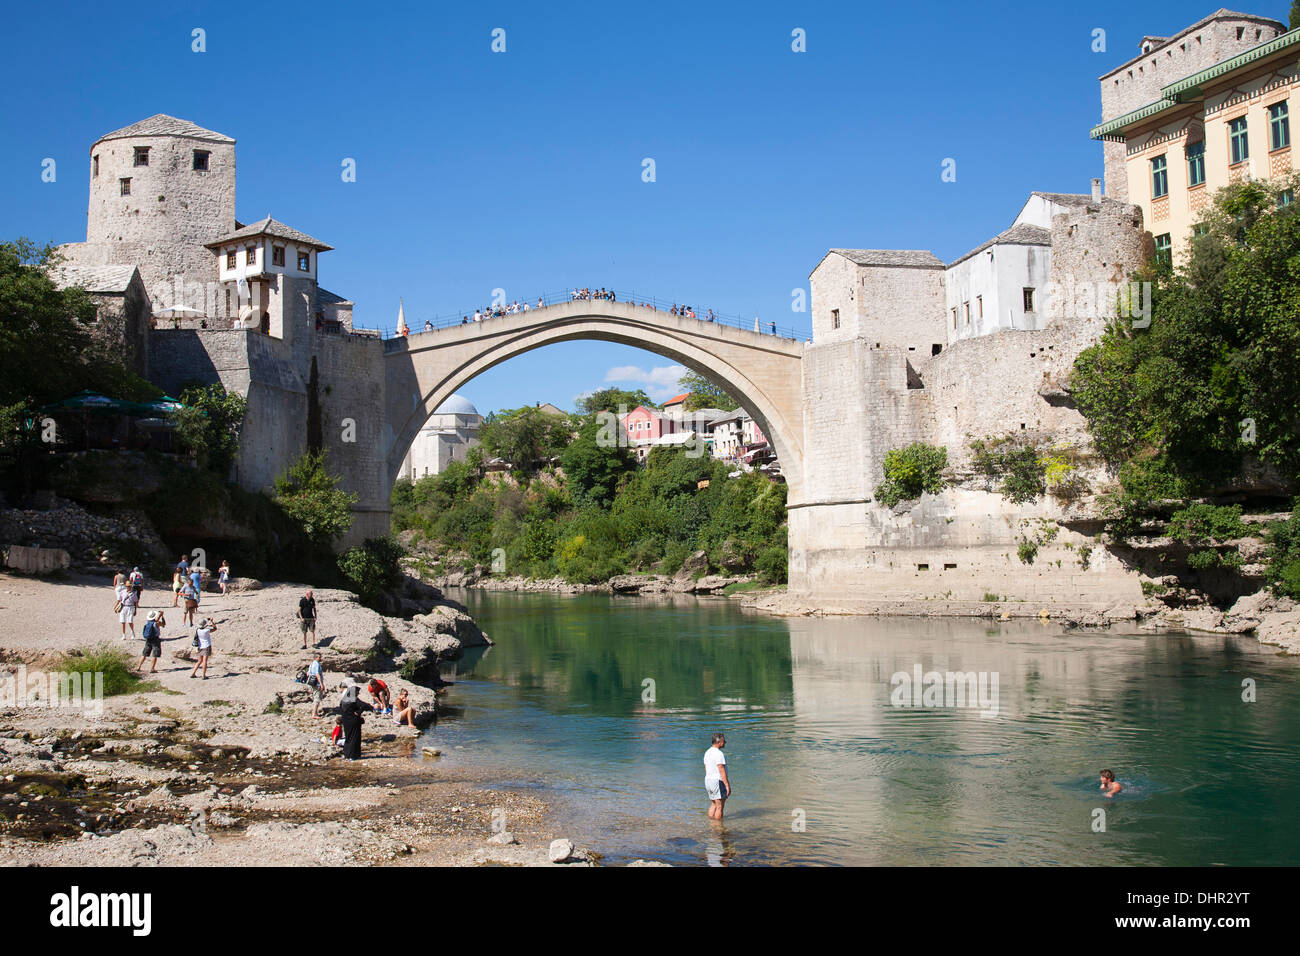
[[716, 783]]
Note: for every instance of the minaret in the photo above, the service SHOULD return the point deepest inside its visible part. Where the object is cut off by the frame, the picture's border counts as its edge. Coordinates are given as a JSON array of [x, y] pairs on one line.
[[401, 319]]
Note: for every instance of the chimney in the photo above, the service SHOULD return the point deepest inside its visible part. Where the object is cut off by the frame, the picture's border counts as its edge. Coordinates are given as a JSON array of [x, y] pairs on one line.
[[1096, 190]]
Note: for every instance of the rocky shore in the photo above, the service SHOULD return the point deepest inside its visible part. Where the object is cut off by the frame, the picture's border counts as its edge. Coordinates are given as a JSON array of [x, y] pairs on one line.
[[692, 578], [1274, 620], [234, 770]]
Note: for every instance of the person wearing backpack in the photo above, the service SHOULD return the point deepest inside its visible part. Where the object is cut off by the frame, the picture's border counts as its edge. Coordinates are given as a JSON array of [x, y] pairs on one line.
[[137, 584], [203, 641], [316, 682], [152, 634]]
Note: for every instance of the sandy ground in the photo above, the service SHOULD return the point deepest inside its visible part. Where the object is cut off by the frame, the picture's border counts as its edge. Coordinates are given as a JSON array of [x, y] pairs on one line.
[[234, 770]]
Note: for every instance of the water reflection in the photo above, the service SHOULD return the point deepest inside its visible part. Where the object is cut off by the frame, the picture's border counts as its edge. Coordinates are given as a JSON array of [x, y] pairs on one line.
[[829, 770]]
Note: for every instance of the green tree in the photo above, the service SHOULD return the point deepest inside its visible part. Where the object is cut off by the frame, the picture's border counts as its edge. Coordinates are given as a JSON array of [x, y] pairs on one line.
[[704, 394], [609, 400], [313, 500], [374, 570], [525, 435], [594, 464], [208, 424], [1210, 385]]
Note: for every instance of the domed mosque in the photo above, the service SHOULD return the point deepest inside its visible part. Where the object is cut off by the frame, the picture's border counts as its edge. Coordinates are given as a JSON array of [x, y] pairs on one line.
[[447, 436]]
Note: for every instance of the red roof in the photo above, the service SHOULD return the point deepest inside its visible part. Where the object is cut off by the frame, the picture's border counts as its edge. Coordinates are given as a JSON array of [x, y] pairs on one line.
[[677, 399]]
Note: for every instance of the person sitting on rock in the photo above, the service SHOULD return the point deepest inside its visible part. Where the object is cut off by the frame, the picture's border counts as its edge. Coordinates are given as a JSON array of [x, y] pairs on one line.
[[403, 712]]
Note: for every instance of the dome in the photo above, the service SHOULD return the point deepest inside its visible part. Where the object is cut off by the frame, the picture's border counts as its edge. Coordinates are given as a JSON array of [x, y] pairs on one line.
[[457, 405]]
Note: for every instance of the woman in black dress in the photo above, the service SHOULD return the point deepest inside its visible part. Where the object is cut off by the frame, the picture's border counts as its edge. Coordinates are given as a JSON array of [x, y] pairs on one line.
[[351, 707]]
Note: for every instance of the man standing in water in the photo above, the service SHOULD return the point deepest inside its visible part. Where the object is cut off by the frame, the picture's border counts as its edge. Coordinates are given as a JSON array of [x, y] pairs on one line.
[[716, 783]]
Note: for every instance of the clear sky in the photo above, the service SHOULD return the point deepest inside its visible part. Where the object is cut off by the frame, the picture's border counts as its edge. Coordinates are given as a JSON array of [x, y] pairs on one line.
[[523, 170]]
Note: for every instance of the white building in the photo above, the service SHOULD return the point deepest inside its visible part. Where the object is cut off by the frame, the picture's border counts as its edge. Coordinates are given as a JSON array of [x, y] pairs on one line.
[[447, 436], [1000, 284]]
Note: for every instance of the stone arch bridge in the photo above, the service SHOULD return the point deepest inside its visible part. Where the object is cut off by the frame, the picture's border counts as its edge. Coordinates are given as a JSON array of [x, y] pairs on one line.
[[762, 372]]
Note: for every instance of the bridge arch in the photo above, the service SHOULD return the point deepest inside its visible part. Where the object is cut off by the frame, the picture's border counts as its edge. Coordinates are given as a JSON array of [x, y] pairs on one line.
[[762, 372]]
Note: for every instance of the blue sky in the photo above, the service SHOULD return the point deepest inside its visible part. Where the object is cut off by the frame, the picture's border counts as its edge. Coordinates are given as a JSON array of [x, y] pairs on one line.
[[522, 170]]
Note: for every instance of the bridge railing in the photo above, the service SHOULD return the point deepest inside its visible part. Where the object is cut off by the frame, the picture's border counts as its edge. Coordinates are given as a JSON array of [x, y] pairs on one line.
[[641, 300]]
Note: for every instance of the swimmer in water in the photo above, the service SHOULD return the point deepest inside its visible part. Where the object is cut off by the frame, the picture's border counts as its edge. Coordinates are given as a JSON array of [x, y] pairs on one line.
[[1109, 785]]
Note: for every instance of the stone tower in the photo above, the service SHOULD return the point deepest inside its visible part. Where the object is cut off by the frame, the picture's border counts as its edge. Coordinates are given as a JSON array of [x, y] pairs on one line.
[[159, 190]]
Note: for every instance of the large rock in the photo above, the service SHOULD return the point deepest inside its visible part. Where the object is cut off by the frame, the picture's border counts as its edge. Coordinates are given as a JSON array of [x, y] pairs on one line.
[[561, 851]]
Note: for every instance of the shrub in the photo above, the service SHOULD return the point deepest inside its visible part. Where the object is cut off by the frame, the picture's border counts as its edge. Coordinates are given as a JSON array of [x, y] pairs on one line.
[[208, 424], [373, 569], [911, 472], [1201, 522], [311, 497], [1015, 464], [113, 662], [1283, 571], [773, 564]]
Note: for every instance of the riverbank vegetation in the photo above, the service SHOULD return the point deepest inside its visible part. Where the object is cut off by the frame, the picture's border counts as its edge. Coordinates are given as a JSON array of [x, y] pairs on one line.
[[585, 510], [1202, 405]]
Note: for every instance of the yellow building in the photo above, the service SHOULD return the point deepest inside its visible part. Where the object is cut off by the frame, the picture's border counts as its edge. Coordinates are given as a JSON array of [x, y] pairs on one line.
[[1226, 123]]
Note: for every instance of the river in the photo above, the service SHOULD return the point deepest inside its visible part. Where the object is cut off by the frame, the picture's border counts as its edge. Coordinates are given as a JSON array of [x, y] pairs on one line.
[[606, 706]]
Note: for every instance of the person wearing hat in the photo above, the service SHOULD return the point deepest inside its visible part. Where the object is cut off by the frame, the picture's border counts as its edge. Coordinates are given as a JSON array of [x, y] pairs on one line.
[[152, 633], [203, 641]]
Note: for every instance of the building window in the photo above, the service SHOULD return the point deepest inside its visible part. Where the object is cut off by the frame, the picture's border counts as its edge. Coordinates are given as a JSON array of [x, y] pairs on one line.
[[232, 259], [304, 261], [966, 312], [1196, 163], [1239, 143], [835, 318], [954, 319], [1159, 177], [1163, 246], [201, 160], [126, 186], [1279, 126], [979, 306], [94, 165], [250, 255], [277, 255], [1285, 198], [142, 156], [1028, 299], [1200, 229]]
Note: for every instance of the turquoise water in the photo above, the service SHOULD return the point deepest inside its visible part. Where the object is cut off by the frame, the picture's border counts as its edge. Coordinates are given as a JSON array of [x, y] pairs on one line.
[[827, 770]]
